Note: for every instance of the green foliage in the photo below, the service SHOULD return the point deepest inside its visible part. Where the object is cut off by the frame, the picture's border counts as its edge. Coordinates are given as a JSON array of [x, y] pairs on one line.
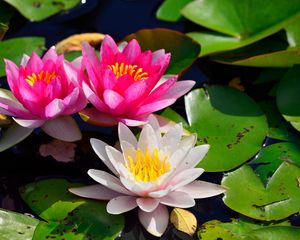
[[13, 49], [67, 215], [183, 49], [277, 200], [170, 10], [37, 10], [16, 226], [229, 121], [241, 229]]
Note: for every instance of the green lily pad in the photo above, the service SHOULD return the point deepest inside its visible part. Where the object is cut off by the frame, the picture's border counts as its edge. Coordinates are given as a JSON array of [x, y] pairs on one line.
[[239, 229], [37, 10], [278, 126], [184, 50], [67, 215], [288, 99], [16, 226], [266, 53], [230, 121], [293, 33], [13, 49], [247, 194], [272, 156], [70, 56], [242, 19], [170, 10]]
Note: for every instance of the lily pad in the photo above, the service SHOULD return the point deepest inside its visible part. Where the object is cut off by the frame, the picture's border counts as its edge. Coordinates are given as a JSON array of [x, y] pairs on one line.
[[239, 229], [277, 200], [279, 128], [67, 215], [40, 9], [14, 49], [242, 19], [266, 53], [272, 156], [16, 226], [183, 49], [170, 10], [288, 99], [230, 121]]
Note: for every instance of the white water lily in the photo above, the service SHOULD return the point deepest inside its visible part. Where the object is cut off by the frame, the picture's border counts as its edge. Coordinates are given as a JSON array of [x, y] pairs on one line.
[[150, 173]]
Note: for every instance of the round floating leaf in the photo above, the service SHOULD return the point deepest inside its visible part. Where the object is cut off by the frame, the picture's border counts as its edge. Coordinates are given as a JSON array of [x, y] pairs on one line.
[[242, 19], [16, 226], [13, 49], [69, 216], [230, 121], [288, 99], [40, 9], [170, 10], [247, 194], [183, 49], [272, 156], [266, 53], [184, 220], [278, 127], [237, 230]]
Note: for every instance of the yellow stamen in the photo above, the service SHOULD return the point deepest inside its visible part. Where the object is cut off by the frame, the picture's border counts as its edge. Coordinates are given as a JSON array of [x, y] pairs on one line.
[[41, 76], [147, 167], [121, 69]]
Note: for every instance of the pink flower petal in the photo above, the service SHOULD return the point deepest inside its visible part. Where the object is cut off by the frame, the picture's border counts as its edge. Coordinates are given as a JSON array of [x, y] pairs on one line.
[[185, 177], [121, 204], [93, 98], [50, 55], [114, 101], [96, 191], [99, 148], [12, 73], [178, 89], [93, 116], [29, 123], [126, 135], [178, 199], [64, 128], [155, 222], [108, 50], [147, 204], [131, 122], [157, 55], [54, 108], [88, 52], [135, 93], [131, 51], [201, 189], [13, 135], [108, 181], [34, 63], [154, 106]]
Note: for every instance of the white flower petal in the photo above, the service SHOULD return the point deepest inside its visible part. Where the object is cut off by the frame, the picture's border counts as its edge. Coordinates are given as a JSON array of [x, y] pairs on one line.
[[185, 177], [195, 155], [171, 139], [152, 120], [121, 204], [139, 188], [128, 150], [29, 123], [155, 222], [99, 148], [188, 141], [160, 193], [126, 135], [201, 189], [114, 156], [178, 156], [108, 181], [147, 139], [96, 191], [178, 199], [147, 204]]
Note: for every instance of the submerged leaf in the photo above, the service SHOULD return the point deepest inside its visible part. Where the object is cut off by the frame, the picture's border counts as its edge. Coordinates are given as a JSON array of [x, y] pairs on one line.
[[184, 220]]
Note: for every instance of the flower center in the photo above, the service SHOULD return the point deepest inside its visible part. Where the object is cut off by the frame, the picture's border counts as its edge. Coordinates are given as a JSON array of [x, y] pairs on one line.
[[120, 69], [44, 76], [147, 167]]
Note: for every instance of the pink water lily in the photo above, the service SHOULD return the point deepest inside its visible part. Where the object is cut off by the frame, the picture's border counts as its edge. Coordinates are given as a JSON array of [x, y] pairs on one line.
[[44, 92], [150, 173], [126, 84]]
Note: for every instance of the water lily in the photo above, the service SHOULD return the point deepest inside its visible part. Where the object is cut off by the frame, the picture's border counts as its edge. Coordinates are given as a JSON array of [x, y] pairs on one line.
[[126, 84], [44, 92], [151, 173]]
